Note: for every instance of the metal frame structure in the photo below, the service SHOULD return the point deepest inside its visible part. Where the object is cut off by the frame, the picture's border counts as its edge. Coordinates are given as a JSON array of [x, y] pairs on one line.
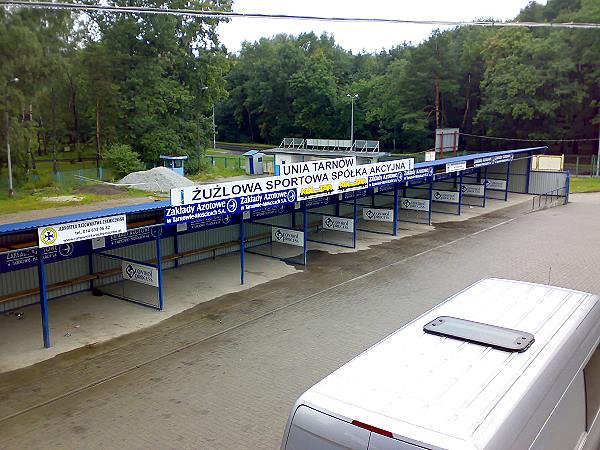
[[509, 176]]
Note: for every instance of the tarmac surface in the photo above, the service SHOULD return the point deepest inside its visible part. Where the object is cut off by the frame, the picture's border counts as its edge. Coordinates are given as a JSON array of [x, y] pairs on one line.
[[225, 374]]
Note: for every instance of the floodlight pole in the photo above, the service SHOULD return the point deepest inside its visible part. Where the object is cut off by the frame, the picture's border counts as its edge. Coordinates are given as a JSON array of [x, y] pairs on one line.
[[214, 128], [352, 97], [11, 191]]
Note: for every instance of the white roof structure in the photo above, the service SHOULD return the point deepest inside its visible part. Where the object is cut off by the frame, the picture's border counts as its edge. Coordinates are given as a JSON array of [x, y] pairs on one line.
[[451, 393]]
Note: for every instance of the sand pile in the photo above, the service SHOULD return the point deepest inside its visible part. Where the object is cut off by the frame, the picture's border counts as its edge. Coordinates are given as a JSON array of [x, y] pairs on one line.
[[159, 179]]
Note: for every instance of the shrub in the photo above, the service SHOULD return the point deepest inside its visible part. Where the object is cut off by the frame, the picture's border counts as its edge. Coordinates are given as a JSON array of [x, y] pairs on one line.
[[122, 160]]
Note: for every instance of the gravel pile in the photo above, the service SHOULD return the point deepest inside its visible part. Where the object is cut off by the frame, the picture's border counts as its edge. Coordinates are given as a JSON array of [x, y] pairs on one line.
[[159, 179]]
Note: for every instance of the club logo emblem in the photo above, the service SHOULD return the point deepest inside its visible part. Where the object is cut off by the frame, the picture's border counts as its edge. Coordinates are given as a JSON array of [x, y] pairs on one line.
[[406, 203], [232, 205], [279, 235], [66, 249], [49, 235], [329, 222], [370, 214], [437, 195], [291, 196]]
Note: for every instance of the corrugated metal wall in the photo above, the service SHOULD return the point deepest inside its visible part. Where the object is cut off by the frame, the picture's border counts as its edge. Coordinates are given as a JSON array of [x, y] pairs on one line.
[[517, 181], [544, 182]]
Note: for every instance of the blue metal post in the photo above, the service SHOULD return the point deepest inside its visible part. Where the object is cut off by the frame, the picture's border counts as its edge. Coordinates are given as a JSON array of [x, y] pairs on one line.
[[395, 231], [43, 298], [567, 187], [176, 246], [305, 224], [507, 179], [484, 185], [354, 223], [293, 216], [460, 185], [159, 267], [373, 199], [529, 158], [430, 198], [91, 262], [243, 249]]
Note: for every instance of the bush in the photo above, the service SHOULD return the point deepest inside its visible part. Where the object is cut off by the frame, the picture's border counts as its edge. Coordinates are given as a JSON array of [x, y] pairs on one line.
[[122, 160]]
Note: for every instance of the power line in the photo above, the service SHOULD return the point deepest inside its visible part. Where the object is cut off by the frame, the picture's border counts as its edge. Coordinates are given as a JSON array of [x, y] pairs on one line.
[[529, 140], [234, 15]]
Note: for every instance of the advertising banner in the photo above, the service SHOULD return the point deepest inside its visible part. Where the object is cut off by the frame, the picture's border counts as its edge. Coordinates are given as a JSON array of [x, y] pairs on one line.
[[66, 233], [489, 160], [22, 259], [317, 165], [446, 196], [378, 215], [338, 224], [473, 190], [417, 174], [139, 273], [416, 204], [211, 200], [456, 166], [287, 236], [496, 185]]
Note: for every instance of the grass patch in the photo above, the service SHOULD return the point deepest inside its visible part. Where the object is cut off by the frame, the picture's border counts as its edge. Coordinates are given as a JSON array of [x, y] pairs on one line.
[[585, 184], [34, 199], [213, 172]]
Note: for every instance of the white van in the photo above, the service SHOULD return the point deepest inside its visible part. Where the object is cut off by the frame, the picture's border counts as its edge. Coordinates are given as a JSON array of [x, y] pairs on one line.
[[538, 389]]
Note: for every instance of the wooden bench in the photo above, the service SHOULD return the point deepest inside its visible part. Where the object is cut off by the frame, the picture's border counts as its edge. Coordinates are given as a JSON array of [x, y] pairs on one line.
[[49, 287]]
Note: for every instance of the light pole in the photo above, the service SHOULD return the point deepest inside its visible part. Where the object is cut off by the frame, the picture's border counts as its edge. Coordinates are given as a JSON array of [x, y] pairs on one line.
[[352, 98], [11, 192], [214, 128], [213, 122]]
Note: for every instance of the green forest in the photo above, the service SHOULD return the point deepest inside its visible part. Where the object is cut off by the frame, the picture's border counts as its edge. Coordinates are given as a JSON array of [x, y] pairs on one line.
[[99, 83]]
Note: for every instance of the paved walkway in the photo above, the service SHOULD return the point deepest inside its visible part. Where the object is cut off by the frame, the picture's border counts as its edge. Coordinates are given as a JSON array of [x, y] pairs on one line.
[[225, 374]]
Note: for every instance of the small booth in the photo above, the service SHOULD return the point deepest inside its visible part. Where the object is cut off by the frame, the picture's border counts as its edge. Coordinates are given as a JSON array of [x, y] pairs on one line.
[[254, 162], [175, 163]]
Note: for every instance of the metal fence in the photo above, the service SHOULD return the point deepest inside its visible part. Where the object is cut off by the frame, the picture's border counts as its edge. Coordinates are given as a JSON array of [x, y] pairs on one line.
[[550, 199]]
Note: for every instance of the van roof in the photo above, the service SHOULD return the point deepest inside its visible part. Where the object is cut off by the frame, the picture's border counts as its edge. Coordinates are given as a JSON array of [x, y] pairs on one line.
[[439, 390]]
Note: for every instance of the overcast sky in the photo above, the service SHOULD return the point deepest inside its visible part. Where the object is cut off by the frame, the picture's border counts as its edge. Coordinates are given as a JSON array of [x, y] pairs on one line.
[[358, 37]]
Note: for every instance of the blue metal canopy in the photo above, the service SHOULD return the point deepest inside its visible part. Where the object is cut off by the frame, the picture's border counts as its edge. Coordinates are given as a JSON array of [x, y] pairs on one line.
[[127, 209], [440, 162]]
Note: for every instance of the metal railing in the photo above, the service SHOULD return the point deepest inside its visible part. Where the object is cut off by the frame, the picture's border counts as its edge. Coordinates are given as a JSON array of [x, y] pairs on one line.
[[550, 199]]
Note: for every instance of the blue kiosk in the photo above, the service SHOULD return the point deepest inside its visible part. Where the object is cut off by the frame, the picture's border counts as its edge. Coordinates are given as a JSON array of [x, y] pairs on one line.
[[175, 163]]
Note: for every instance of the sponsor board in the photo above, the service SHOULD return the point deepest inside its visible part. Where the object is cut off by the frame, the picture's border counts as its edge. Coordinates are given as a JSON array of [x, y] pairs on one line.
[[495, 185], [135, 236], [139, 273], [287, 236], [211, 200], [317, 165], [445, 196], [416, 204], [417, 174], [22, 259], [456, 166], [66, 233], [444, 176], [317, 202], [473, 190], [378, 215], [489, 160], [338, 224]]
